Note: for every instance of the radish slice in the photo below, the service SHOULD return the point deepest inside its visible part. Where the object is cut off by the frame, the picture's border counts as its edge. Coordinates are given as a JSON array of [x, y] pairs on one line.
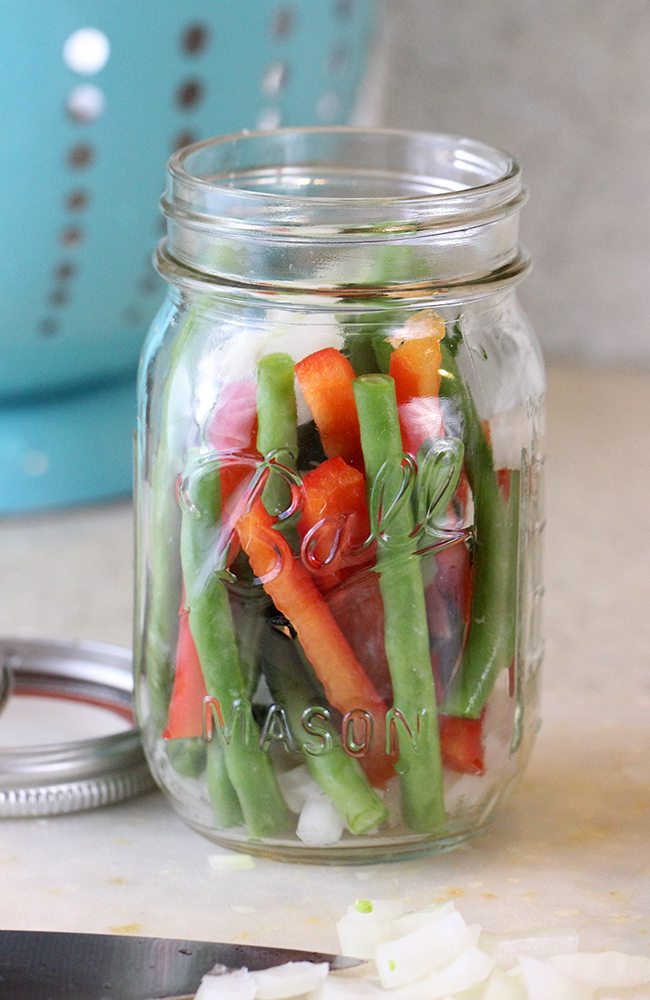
[[293, 979], [320, 823], [420, 419], [368, 923], [238, 985], [605, 968], [429, 947], [544, 980]]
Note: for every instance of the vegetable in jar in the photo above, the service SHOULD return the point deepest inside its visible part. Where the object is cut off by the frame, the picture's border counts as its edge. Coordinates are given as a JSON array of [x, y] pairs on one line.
[[338, 506]]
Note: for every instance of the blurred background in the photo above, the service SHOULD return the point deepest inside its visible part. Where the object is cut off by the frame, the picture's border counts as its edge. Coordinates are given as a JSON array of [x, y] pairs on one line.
[[565, 87], [87, 121], [96, 96]]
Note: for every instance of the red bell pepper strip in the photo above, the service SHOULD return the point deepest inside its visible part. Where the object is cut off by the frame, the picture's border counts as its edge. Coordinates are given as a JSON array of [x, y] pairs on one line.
[[185, 717], [461, 744], [325, 379], [503, 479], [296, 596], [334, 522]]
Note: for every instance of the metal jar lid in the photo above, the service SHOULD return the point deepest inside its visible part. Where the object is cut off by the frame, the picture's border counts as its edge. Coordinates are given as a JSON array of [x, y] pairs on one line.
[[65, 777]]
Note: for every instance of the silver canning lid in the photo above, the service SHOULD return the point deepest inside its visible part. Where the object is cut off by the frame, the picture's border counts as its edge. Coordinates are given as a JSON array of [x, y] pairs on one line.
[[66, 777]]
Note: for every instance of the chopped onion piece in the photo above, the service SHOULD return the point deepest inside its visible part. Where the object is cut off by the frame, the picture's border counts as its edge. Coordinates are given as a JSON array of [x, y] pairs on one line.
[[293, 979], [420, 918], [504, 986], [320, 823], [545, 981], [628, 996], [507, 436], [367, 924], [237, 985], [231, 862], [462, 791], [378, 909], [465, 971], [509, 949], [429, 947], [296, 786], [605, 968], [343, 987]]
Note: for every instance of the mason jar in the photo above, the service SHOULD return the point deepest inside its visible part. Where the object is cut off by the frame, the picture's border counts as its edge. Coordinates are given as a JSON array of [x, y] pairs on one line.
[[339, 453]]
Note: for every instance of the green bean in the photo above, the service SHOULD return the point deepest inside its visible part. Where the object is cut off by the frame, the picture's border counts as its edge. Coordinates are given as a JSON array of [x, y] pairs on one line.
[[491, 638], [225, 804], [340, 776], [155, 649], [406, 629], [277, 434], [366, 345], [359, 348], [211, 623], [249, 627], [383, 350], [187, 756]]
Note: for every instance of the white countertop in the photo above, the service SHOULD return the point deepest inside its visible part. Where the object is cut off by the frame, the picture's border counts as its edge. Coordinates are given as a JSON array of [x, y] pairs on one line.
[[570, 850]]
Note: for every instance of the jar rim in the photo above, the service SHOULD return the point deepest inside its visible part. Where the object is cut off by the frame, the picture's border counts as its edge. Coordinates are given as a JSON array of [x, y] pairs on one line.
[[336, 208], [453, 179]]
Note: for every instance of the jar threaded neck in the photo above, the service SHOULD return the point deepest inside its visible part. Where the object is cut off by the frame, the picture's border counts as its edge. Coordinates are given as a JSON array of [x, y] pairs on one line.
[[338, 209]]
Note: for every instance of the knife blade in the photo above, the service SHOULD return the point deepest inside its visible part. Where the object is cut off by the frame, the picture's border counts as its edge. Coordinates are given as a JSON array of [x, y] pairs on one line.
[[59, 965]]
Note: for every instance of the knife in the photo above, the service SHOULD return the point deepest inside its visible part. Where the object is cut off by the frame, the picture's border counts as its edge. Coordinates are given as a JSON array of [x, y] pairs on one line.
[[57, 965]]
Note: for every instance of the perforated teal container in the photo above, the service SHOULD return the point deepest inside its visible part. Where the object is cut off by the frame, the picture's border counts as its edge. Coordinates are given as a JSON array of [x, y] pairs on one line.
[[95, 97]]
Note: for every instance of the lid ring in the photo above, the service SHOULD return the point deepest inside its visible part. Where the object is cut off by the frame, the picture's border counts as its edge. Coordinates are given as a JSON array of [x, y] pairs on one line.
[[6, 684], [76, 775]]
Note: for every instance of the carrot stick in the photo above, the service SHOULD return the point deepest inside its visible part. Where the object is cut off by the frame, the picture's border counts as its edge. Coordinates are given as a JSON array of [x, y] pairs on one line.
[[296, 596], [414, 366], [415, 363]]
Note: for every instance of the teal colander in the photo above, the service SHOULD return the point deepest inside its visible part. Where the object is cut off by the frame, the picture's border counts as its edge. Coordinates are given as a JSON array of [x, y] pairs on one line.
[[95, 96]]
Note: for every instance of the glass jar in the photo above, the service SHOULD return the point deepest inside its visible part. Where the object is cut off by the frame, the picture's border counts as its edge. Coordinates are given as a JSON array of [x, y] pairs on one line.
[[338, 494]]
